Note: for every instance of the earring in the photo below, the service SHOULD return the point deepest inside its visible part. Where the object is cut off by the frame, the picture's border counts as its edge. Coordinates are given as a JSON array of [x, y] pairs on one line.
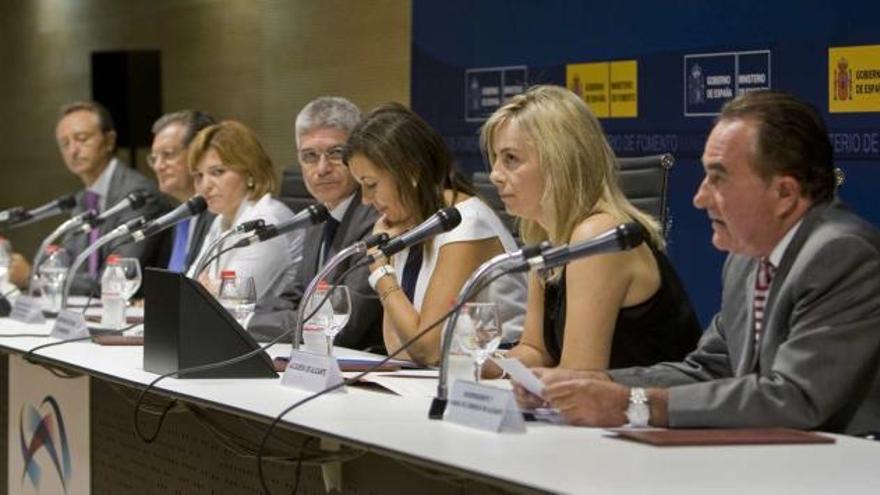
[[414, 183], [250, 182]]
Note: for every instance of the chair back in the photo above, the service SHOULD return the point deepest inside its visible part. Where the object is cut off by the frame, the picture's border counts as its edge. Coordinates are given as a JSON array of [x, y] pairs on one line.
[[293, 190], [644, 180]]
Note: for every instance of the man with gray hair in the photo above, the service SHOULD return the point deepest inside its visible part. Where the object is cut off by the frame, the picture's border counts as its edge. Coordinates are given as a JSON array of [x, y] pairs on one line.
[[322, 128], [172, 134]]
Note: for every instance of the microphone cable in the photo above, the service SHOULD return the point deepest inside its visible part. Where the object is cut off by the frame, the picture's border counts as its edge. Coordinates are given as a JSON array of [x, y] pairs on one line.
[[220, 364], [348, 381]]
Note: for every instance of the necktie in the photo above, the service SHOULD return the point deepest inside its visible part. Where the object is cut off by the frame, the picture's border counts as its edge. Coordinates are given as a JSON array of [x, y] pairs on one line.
[[178, 253], [763, 278], [411, 271], [330, 227], [93, 201]]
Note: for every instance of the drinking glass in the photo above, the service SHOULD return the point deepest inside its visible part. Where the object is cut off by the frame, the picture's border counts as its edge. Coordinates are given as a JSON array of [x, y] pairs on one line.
[[53, 272], [478, 332], [239, 297], [131, 267], [340, 303]]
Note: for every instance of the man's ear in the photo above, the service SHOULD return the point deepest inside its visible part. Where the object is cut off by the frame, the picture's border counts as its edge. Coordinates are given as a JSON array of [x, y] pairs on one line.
[[110, 136], [788, 191]]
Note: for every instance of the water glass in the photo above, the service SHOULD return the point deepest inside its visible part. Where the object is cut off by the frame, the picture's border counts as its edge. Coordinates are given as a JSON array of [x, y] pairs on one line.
[[478, 332], [131, 268]]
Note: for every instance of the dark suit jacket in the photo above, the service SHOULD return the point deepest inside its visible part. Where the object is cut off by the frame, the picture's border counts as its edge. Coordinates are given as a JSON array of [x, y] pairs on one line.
[[203, 224], [818, 366], [151, 252], [364, 328]]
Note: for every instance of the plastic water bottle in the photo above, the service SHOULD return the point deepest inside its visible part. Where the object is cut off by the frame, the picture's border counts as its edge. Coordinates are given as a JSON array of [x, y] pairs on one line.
[[227, 294], [113, 294], [314, 338], [53, 271]]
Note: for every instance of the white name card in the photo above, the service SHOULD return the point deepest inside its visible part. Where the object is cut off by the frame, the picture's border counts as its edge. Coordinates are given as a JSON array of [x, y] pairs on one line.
[[484, 407], [28, 310], [69, 325], [312, 372]]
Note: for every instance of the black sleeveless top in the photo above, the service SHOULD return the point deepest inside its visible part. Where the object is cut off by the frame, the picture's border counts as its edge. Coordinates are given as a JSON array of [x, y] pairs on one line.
[[663, 328]]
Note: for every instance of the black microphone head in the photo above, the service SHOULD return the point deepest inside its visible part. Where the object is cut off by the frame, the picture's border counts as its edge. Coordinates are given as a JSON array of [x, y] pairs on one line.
[[197, 205], [449, 218], [374, 240], [66, 203], [318, 213], [137, 199], [630, 235]]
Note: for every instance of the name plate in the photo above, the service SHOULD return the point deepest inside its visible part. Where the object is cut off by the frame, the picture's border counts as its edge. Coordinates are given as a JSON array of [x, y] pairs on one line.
[[312, 372], [28, 310], [69, 325], [484, 407]]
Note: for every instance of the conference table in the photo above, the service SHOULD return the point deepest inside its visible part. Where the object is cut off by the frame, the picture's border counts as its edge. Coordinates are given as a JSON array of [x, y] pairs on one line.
[[371, 440]]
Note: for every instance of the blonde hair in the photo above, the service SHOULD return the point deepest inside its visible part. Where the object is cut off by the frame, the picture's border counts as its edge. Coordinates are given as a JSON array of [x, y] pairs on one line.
[[239, 149], [577, 164]]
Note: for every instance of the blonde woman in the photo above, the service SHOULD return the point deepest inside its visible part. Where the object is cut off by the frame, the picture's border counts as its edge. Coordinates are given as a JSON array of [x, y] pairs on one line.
[[555, 171]]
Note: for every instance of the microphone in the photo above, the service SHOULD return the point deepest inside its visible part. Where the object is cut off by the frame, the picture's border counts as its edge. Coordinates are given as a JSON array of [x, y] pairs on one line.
[[442, 221], [11, 215], [312, 215], [50, 209], [190, 208], [134, 200], [621, 238]]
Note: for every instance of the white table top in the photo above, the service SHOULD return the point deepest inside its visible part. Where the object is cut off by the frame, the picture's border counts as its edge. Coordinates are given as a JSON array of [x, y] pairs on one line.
[[547, 457]]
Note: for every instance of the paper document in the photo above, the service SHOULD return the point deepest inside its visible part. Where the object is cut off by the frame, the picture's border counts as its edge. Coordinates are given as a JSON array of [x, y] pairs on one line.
[[520, 374]]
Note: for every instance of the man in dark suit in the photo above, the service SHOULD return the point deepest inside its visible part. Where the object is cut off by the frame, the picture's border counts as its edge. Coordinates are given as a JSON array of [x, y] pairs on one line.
[[172, 134], [797, 340], [322, 128], [87, 140]]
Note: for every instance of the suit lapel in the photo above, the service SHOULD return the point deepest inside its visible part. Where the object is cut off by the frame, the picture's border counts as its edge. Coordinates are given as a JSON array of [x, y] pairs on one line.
[[772, 324]]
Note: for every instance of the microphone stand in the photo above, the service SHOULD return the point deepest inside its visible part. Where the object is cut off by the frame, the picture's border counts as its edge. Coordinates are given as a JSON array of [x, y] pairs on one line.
[[359, 247], [113, 235], [64, 228], [210, 249], [532, 256]]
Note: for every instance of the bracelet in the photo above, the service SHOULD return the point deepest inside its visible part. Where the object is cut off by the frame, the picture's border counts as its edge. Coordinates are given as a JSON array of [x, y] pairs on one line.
[[378, 273], [388, 291]]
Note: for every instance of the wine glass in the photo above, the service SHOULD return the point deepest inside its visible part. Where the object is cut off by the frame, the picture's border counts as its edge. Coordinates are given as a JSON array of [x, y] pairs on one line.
[[479, 332], [340, 302], [131, 268], [53, 272], [239, 296]]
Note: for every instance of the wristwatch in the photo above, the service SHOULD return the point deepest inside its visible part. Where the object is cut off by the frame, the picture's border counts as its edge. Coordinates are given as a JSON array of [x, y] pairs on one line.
[[638, 413], [379, 273]]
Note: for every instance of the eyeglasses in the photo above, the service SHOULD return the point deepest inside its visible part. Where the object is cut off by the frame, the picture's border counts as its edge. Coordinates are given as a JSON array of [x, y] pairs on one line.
[[311, 156], [166, 155]]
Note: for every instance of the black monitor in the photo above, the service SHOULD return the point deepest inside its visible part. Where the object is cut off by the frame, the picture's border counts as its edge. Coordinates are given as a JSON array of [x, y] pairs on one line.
[[184, 326]]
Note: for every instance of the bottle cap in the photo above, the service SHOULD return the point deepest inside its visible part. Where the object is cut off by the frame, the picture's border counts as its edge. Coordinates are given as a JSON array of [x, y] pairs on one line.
[[227, 274], [52, 248], [113, 259]]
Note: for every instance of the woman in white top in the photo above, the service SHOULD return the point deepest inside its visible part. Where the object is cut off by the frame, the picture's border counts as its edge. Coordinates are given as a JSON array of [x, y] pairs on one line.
[[406, 172], [235, 176]]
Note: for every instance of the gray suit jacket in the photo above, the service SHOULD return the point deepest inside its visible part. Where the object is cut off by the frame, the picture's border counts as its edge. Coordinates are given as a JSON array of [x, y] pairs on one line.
[[151, 252], [364, 327], [818, 366]]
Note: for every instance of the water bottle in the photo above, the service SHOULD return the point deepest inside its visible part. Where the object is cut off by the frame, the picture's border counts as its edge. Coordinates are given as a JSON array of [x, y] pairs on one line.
[[238, 295], [5, 260], [314, 338], [113, 294], [52, 272]]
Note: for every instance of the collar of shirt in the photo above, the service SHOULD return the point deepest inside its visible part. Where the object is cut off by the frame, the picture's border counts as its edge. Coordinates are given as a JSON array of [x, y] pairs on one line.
[[102, 186], [776, 255], [339, 211]]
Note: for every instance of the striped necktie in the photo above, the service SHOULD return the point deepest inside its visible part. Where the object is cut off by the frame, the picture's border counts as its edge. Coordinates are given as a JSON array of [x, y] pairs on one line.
[[763, 279]]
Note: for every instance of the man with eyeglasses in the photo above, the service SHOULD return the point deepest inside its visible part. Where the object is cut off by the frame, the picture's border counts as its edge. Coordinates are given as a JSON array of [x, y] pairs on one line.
[[321, 130], [87, 140], [172, 134]]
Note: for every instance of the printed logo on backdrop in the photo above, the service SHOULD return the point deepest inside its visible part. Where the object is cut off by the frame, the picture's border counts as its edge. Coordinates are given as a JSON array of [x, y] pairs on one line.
[[713, 79], [41, 430], [487, 88], [610, 89], [854, 79]]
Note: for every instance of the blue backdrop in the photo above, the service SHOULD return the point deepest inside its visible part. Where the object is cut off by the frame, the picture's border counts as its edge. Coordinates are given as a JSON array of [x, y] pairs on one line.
[[459, 47]]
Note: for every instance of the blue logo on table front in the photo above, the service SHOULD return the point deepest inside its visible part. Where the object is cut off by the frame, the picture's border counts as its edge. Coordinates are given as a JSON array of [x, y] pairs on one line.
[[42, 429]]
